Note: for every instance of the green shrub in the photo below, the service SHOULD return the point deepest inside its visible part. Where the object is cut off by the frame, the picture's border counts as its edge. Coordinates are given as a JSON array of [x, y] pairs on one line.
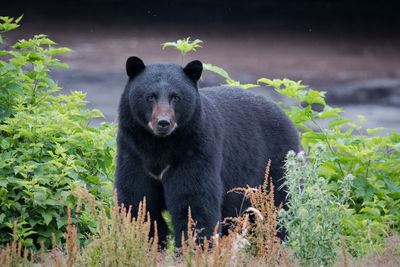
[[373, 161], [47, 146], [314, 213]]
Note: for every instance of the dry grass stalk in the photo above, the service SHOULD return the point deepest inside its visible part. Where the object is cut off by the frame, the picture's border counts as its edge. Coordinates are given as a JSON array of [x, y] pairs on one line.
[[25, 261], [232, 250], [343, 246], [56, 258], [122, 239], [263, 237], [42, 255], [71, 237], [285, 260], [218, 251]]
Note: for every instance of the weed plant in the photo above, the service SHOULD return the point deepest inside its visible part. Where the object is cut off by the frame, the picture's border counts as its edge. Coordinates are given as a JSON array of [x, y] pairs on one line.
[[314, 213], [47, 146]]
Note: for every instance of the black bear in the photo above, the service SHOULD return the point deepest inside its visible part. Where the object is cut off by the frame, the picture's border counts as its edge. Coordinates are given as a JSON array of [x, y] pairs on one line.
[[180, 146]]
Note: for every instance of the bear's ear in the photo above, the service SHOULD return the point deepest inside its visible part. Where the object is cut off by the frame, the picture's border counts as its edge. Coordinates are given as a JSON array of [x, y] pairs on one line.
[[193, 70], [134, 66]]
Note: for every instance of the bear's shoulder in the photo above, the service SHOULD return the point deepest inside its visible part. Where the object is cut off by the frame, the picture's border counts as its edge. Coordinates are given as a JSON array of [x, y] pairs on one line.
[[234, 98]]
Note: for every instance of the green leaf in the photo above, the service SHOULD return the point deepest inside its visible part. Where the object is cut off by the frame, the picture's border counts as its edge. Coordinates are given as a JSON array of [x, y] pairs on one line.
[[45, 41], [303, 127], [166, 44], [355, 126], [184, 45], [61, 221], [314, 97], [337, 122], [47, 218], [329, 112], [310, 138], [217, 70], [28, 242], [375, 212], [361, 119], [60, 65], [59, 50], [230, 82], [50, 82], [265, 80], [363, 189], [392, 187], [370, 131], [19, 18], [14, 87], [2, 217]]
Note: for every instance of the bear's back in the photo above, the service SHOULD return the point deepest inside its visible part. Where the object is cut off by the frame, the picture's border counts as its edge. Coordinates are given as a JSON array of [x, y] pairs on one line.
[[255, 131], [245, 114]]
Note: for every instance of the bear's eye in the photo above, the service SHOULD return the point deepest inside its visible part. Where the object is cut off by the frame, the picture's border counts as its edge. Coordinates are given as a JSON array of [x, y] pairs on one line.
[[151, 98], [175, 98]]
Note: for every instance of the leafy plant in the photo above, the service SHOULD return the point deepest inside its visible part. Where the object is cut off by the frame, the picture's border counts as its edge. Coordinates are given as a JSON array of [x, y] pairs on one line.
[[373, 161], [229, 81], [314, 213], [259, 237], [47, 146], [184, 46]]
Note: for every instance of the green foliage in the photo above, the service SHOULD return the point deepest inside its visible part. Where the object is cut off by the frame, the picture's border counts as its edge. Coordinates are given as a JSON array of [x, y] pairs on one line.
[[229, 81], [314, 212], [218, 70], [373, 161], [8, 24], [184, 45], [46, 146]]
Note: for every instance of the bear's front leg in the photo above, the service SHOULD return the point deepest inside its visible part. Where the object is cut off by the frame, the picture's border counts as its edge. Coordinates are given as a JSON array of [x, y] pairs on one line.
[[133, 184], [196, 186]]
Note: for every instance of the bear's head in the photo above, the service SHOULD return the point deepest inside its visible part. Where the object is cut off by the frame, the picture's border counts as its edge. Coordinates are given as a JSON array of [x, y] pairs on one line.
[[162, 97]]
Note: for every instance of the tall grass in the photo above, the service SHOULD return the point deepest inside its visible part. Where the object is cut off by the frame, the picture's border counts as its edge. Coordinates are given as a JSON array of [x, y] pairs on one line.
[[123, 239]]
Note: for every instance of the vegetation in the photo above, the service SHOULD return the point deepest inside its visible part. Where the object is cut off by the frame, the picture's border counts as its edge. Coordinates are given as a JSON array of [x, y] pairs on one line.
[[370, 163], [344, 188], [47, 146]]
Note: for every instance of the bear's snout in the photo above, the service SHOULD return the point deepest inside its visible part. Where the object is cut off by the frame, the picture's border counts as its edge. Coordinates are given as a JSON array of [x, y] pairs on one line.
[[163, 122], [163, 119]]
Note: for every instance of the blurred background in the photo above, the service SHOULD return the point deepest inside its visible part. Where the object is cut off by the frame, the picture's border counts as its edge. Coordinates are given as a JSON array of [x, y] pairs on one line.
[[351, 49]]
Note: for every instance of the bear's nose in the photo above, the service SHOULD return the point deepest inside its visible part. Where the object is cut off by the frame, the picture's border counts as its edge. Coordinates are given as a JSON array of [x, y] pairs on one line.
[[163, 123]]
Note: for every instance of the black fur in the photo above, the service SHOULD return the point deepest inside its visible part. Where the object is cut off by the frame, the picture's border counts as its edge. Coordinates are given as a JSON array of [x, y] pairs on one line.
[[193, 70], [134, 66], [224, 139]]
